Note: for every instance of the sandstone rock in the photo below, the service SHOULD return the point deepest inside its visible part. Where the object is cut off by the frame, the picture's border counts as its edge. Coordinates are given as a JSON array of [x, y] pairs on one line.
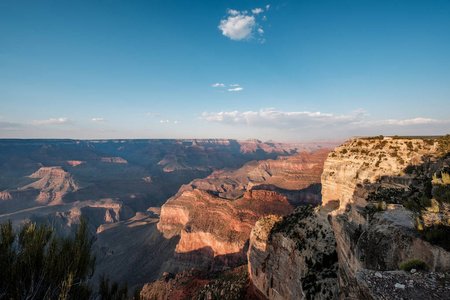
[[214, 231], [214, 216], [376, 241], [294, 258]]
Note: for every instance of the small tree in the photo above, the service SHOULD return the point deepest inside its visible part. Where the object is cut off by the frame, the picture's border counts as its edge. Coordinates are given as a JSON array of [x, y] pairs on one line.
[[38, 264]]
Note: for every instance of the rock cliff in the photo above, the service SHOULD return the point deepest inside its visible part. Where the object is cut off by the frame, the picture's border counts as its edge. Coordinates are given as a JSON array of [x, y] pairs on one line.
[[294, 257], [385, 202], [372, 181], [214, 216]]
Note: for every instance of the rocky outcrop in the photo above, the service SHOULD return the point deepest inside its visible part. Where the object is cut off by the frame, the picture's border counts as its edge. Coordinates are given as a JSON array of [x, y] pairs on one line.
[[379, 236], [367, 161], [53, 184], [415, 285], [200, 285], [214, 231], [293, 176], [214, 216], [75, 163], [294, 257]]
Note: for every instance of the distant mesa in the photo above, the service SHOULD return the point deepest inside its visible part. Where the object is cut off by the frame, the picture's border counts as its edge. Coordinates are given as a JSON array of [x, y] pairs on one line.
[[117, 160], [75, 163], [53, 184]]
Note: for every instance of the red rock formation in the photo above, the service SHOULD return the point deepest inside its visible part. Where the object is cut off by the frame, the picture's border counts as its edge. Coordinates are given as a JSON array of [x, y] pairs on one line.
[[214, 216], [214, 228], [292, 173], [75, 163]]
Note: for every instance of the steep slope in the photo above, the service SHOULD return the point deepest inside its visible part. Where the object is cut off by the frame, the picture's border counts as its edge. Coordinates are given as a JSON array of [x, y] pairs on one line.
[[214, 216], [371, 181], [294, 257]]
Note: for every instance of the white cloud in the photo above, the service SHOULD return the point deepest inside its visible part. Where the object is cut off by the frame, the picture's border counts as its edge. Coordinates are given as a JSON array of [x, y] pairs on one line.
[[234, 84], [238, 26], [164, 121], [316, 124], [233, 12], [152, 114], [235, 89], [267, 6], [257, 11], [218, 85], [269, 117], [414, 121], [57, 121], [98, 120], [176, 122]]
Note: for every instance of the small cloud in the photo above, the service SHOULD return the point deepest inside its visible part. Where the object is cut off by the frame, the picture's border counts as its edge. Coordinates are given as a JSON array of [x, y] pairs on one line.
[[267, 6], [235, 89], [152, 114], [257, 11], [218, 85], [57, 121], [260, 31], [238, 26], [233, 12], [98, 120], [264, 18], [234, 84], [176, 122], [164, 121]]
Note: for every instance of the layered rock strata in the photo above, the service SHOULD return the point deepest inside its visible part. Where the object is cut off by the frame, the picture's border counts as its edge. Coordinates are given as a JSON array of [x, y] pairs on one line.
[[214, 216], [370, 237], [294, 257]]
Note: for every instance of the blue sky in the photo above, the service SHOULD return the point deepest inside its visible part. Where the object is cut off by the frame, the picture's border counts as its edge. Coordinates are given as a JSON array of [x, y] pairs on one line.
[[282, 70]]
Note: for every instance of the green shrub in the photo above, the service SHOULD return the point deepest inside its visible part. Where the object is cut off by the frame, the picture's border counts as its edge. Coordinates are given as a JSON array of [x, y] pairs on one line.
[[414, 263], [444, 144], [35, 263]]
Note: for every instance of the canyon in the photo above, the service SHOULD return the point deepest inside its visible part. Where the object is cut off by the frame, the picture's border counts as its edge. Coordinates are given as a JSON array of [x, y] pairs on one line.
[[214, 216], [120, 186], [198, 219], [378, 210]]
